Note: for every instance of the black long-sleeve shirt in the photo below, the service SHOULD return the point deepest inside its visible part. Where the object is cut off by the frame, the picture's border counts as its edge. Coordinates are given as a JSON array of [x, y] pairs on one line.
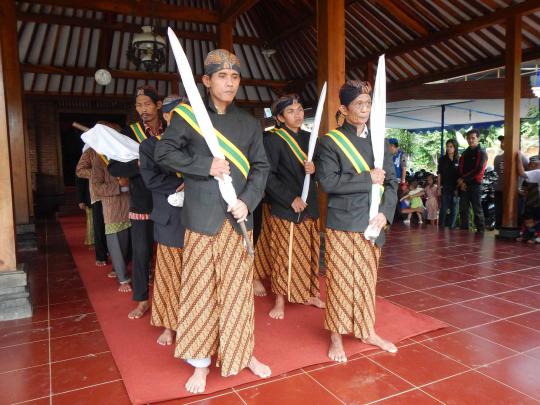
[[140, 198], [286, 177]]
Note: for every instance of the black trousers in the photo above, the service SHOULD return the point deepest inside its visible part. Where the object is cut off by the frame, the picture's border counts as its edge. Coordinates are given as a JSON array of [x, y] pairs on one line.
[[471, 197], [100, 241], [142, 243], [498, 208]]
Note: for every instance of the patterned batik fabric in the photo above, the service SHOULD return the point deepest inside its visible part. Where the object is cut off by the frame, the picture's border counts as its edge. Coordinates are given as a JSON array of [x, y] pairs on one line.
[[216, 313], [352, 264], [89, 236], [263, 256], [305, 258], [166, 293]]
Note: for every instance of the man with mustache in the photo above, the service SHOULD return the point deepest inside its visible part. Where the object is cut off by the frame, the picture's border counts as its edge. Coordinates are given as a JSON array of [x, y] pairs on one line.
[[149, 124]]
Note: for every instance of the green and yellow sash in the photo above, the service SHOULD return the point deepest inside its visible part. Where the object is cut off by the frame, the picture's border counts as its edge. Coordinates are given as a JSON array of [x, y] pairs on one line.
[[349, 150], [295, 148], [138, 131], [178, 174], [231, 152]]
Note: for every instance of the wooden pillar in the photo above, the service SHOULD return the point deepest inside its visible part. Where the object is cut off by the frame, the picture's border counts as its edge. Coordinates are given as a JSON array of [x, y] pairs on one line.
[[512, 96], [7, 219], [330, 67], [14, 107], [369, 73], [225, 30]]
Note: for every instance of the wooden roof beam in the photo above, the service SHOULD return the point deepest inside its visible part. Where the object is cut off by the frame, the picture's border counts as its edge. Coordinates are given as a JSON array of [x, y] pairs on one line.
[[235, 8], [403, 16], [124, 27], [136, 74], [433, 38], [142, 8]]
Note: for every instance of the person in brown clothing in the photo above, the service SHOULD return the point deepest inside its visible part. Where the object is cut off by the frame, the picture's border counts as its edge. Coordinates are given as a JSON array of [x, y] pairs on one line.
[[84, 171], [114, 196]]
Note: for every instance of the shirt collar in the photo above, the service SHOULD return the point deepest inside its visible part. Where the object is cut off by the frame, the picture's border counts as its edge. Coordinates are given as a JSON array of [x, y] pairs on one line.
[[351, 128], [148, 130]]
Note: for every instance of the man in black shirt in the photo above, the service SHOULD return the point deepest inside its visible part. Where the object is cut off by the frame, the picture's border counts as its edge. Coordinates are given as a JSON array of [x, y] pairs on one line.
[[472, 166]]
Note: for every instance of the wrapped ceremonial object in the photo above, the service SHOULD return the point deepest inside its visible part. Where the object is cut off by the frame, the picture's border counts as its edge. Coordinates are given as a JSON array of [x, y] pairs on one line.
[[108, 142], [176, 199]]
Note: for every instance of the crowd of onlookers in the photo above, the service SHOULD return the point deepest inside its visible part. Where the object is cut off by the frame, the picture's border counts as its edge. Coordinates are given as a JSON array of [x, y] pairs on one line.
[[453, 196]]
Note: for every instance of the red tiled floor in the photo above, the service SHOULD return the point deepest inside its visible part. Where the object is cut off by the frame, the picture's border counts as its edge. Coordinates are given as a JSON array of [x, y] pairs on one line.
[[386, 288], [441, 264], [30, 332], [519, 372], [24, 385], [360, 381], [23, 356], [291, 391], [418, 300], [523, 297], [416, 397], [469, 349], [70, 309], [486, 286], [531, 320], [460, 316], [83, 372], [113, 393], [454, 293], [415, 364], [78, 345], [497, 307], [74, 324], [474, 388], [516, 337]]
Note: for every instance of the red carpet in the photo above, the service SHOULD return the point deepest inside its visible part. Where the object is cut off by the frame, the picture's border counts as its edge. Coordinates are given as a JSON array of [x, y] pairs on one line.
[[150, 372]]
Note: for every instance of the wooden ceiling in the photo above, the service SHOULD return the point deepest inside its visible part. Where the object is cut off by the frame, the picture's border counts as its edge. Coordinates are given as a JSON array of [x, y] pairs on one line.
[[425, 40]]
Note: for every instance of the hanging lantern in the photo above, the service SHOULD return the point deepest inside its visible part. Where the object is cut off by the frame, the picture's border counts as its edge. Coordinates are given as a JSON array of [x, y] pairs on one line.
[[147, 50]]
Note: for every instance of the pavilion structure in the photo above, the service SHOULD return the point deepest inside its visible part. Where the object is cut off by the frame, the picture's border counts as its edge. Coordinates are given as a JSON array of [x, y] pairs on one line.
[[51, 50]]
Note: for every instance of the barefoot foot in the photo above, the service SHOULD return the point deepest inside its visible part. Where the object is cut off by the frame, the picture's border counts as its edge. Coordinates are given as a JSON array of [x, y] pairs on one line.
[[197, 382], [139, 311], [378, 341], [258, 368], [258, 288], [124, 288], [101, 263], [111, 274], [166, 338], [278, 311], [336, 352], [316, 302]]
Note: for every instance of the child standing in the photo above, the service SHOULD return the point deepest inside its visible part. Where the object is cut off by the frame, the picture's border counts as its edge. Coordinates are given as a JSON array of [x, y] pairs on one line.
[[432, 201]]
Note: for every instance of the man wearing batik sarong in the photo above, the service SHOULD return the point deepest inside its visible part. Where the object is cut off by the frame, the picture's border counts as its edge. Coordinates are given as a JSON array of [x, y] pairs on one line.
[[168, 232], [263, 255], [346, 172], [286, 148], [216, 315]]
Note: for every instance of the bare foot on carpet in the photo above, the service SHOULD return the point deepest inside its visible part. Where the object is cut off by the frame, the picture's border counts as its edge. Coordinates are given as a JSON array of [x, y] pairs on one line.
[[166, 338], [316, 302], [101, 263], [197, 382], [278, 311], [258, 368], [139, 311], [336, 352], [124, 288], [378, 341], [258, 288], [111, 274]]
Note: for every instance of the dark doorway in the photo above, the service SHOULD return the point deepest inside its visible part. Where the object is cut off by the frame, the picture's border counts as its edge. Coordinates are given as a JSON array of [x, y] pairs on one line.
[[71, 139]]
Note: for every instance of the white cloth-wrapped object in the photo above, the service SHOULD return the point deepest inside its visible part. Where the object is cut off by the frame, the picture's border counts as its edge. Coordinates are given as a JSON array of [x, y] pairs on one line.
[[108, 142], [378, 126], [176, 199]]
